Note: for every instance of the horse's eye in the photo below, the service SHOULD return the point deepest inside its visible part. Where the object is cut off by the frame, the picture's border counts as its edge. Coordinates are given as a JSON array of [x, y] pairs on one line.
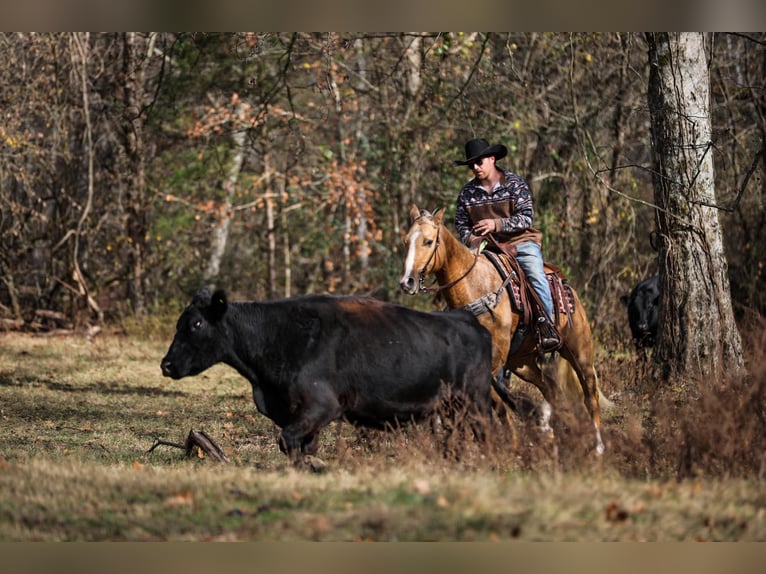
[[429, 242]]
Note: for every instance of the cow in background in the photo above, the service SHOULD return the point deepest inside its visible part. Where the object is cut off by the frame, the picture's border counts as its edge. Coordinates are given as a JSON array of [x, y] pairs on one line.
[[315, 359], [643, 311]]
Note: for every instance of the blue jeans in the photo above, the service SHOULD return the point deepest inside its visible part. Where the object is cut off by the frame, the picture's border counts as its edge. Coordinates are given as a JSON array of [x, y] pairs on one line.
[[530, 257]]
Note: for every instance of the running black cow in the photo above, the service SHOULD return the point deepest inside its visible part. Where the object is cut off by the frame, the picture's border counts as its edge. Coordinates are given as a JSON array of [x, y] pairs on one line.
[[317, 358], [643, 311]]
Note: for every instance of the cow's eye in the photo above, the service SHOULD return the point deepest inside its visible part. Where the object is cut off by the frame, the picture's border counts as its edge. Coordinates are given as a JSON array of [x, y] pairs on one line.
[[196, 325]]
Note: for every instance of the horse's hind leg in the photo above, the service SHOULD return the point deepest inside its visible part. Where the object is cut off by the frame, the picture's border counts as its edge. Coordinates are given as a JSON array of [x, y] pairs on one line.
[[580, 356]]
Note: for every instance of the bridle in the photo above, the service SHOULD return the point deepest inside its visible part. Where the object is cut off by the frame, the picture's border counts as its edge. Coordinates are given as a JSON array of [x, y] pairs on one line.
[[484, 304], [422, 275]]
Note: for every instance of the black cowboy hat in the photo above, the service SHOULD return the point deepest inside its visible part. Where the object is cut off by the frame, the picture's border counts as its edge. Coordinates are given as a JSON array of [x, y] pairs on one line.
[[479, 148]]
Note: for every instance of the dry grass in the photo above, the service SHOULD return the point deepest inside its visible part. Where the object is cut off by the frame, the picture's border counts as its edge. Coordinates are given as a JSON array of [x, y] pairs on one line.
[[78, 417]]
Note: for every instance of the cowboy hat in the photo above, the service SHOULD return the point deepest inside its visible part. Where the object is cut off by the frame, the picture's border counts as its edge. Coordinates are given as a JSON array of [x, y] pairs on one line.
[[479, 148]]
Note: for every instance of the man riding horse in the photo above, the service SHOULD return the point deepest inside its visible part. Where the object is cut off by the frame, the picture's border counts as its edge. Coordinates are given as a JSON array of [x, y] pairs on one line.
[[495, 207]]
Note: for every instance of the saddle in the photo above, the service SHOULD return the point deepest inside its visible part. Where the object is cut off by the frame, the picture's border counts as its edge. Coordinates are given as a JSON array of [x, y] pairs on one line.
[[523, 297]]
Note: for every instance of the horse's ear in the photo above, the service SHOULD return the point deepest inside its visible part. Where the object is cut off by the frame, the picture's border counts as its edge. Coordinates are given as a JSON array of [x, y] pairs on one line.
[[414, 212], [438, 214]]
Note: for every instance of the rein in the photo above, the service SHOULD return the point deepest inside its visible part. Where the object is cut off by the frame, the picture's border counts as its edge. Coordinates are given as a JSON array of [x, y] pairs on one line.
[[422, 275]]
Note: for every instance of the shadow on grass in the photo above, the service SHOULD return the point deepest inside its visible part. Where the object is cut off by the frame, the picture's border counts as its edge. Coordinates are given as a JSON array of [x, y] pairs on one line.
[[104, 387]]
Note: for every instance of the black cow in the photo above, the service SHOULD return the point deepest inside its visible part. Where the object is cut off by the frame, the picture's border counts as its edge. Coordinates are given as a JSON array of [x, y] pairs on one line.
[[314, 359], [643, 311]]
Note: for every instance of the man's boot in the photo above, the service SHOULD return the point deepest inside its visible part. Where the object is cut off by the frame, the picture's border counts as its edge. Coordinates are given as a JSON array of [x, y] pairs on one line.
[[548, 335]]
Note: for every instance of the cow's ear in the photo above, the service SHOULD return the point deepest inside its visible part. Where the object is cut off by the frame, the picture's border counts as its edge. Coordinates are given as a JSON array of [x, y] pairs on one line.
[[218, 305], [438, 215], [201, 298]]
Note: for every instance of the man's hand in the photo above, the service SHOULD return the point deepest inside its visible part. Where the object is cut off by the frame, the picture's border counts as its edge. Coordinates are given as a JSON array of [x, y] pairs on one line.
[[484, 226]]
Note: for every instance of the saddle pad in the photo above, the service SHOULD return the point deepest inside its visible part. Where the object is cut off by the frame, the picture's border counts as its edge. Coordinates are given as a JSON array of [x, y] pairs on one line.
[[561, 291]]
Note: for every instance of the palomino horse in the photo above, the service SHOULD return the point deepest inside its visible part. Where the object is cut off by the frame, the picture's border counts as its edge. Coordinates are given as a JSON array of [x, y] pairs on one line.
[[467, 279]]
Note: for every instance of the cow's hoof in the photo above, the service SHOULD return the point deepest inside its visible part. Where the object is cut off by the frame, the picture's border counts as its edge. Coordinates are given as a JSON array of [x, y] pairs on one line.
[[314, 464]]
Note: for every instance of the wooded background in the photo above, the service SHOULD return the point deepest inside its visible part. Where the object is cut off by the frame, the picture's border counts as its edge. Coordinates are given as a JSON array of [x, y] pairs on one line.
[[137, 167]]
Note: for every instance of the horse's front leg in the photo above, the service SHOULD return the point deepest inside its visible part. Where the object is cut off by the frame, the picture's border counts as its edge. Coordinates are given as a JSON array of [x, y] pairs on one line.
[[502, 399], [530, 372]]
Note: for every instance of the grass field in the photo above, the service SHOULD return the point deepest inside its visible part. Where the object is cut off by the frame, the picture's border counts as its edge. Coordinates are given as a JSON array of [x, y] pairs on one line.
[[78, 417]]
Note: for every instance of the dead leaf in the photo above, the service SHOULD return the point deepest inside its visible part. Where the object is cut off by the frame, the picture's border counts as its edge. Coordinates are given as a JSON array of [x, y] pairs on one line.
[[319, 525], [422, 486], [184, 498]]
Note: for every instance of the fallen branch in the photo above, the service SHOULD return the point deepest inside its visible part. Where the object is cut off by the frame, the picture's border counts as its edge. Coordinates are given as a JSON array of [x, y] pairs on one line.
[[199, 440]]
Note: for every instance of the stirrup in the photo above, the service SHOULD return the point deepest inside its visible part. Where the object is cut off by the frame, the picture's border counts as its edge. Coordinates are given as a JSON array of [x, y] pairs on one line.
[[547, 337]]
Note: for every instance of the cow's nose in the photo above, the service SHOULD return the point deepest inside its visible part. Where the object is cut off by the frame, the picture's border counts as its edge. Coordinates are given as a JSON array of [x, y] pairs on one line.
[[167, 368], [407, 284]]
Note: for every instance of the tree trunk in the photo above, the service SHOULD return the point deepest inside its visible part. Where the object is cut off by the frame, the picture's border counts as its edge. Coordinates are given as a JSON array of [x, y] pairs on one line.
[[698, 338], [363, 252], [135, 57], [221, 230], [270, 226], [82, 43], [287, 262]]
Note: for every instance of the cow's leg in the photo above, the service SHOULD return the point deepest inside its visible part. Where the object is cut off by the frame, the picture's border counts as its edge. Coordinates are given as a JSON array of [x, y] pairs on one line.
[[312, 413], [480, 404], [310, 444]]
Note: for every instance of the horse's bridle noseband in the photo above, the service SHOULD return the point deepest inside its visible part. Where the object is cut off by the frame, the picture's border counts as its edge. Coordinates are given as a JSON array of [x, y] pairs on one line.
[[422, 275]]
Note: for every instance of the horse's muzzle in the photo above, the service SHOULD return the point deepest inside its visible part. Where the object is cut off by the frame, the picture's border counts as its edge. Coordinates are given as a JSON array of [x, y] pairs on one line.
[[409, 285]]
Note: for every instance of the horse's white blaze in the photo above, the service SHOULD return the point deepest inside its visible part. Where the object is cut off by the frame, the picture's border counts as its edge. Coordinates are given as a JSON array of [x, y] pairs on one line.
[[410, 261]]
